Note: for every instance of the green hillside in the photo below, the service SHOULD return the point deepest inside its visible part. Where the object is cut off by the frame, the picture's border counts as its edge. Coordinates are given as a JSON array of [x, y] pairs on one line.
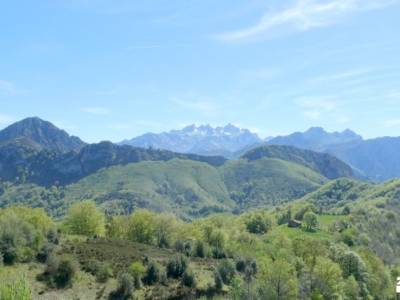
[[372, 212], [268, 181], [181, 186], [188, 188], [325, 164]]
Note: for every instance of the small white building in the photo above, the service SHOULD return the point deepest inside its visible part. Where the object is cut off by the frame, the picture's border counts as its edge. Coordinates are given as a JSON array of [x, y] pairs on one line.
[[398, 287]]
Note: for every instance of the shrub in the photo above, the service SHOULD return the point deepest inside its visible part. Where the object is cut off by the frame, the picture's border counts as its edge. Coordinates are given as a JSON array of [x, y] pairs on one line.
[[45, 252], [310, 220], [218, 253], [137, 270], [200, 249], [218, 281], [179, 246], [176, 266], [18, 238], [241, 264], [226, 270], [153, 273], [125, 287], [104, 272], [188, 278], [188, 249], [60, 271], [65, 272], [258, 223]]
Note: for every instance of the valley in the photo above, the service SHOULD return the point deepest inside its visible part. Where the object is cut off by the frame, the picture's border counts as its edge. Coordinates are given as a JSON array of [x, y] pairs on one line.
[[107, 221]]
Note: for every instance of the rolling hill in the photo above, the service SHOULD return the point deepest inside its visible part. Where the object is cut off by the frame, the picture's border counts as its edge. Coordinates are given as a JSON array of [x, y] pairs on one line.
[[186, 187]]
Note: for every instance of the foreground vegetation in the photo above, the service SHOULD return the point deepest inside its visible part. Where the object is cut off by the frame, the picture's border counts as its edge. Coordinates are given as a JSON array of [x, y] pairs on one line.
[[145, 255]]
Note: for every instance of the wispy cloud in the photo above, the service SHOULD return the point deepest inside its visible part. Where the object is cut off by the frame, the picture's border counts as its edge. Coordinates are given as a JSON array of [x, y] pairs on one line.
[[101, 111], [304, 15]]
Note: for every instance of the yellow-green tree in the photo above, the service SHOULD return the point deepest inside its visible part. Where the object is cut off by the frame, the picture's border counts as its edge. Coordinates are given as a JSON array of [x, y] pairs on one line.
[[84, 218], [141, 227]]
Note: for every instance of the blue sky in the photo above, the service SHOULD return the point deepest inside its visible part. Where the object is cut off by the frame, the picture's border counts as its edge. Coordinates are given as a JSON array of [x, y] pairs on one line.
[[113, 69]]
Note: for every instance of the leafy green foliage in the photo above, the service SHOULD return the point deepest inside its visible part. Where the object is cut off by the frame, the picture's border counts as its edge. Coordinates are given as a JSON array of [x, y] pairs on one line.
[[177, 266], [258, 223], [60, 271], [153, 273], [226, 270], [85, 218], [23, 231], [125, 286], [188, 278], [310, 220]]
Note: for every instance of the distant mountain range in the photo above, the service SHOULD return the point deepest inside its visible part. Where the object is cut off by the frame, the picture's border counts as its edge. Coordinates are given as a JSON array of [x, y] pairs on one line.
[[376, 159], [26, 145], [202, 140], [43, 166], [316, 139]]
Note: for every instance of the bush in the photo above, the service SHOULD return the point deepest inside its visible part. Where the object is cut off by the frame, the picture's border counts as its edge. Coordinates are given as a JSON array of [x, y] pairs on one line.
[[180, 246], [241, 264], [218, 253], [310, 221], [45, 252], [137, 270], [9, 255], [153, 273], [19, 240], [200, 249], [177, 266], [65, 273], [60, 271], [104, 272], [218, 281], [258, 223], [125, 287], [188, 278], [226, 270]]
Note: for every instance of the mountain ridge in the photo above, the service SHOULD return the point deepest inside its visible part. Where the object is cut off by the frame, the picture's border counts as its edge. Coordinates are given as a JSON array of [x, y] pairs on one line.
[[40, 135], [202, 139]]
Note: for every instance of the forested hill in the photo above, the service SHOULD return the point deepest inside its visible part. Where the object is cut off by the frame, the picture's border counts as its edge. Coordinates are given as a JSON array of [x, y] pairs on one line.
[[325, 164], [19, 163]]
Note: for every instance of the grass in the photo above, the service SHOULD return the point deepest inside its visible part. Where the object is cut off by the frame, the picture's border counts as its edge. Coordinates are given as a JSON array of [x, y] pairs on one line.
[[321, 233]]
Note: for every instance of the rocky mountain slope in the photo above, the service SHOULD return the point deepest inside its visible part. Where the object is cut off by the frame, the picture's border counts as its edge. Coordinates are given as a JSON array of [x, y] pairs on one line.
[[203, 140]]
